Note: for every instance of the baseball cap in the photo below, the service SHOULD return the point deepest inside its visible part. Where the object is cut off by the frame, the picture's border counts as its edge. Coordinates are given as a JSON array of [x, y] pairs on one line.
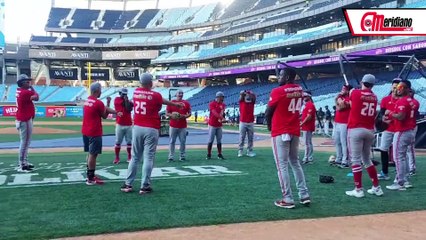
[[220, 94], [24, 77], [307, 94], [179, 92], [396, 80], [123, 91], [146, 78], [95, 87], [369, 78]]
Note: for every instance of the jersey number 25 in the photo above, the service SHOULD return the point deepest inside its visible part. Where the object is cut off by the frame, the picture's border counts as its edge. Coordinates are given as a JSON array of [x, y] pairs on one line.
[[140, 107]]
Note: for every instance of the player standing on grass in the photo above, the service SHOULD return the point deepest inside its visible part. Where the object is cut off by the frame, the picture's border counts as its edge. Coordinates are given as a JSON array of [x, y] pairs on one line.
[[93, 112], [387, 104], [404, 115], [25, 95], [217, 116], [340, 130], [282, 116], [361, 135], [123, 126], [308, 127], [247, 101], [178, 125], [146, 130]]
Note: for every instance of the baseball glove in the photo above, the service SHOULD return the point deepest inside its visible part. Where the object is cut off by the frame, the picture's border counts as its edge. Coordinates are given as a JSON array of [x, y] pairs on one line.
[[175, 115], [380, 125], [326, 179]]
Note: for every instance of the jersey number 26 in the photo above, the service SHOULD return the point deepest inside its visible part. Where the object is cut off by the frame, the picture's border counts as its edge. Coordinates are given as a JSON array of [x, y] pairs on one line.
[[368, 109]]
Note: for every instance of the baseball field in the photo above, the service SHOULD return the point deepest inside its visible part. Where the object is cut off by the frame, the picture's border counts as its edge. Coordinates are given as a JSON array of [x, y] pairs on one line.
[[54, 202]]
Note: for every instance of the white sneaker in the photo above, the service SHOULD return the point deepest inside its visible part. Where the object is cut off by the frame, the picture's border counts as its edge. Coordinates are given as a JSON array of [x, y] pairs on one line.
[[375, 191], [240, 153], [251, 154], [408, 185], [396, 186], [358, 193]]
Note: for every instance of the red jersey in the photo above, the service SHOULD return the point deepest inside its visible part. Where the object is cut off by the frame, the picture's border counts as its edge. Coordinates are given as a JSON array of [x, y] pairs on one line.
[[416, 106], [405, 105], [92, 117], [388, 103], [309, 110], [342, 116], [219, 108], [363, 109], [147, 105], [247, 110], [179, 123], [126, 118], [26, 108], [287, 100]]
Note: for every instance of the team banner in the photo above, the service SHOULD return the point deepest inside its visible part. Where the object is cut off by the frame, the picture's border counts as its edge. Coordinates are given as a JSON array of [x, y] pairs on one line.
[[96, 73], [40, 111], [74, 111], [126, 74], [55, 112], [63, 73], [9, 111], [386, 22]]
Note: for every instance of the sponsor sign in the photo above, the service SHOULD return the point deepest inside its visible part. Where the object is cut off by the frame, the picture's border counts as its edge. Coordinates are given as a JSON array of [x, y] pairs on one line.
[[40, 111], [9, 111], [74, 111], [63, 73], [49, 174], [1, 110], [386, 22], [126, 74], [61, 54], [130, 55], [56, 112], [97, 74]]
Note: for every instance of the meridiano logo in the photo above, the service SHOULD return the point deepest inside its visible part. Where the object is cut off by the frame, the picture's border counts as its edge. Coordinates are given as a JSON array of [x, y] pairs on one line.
[[55, 174]]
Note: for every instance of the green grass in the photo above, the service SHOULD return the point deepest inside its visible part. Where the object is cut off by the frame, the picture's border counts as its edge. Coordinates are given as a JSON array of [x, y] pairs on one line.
[[73, 210]]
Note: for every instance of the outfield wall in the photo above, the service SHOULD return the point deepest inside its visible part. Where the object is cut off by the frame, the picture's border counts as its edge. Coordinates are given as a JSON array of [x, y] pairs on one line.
[[46, 111]]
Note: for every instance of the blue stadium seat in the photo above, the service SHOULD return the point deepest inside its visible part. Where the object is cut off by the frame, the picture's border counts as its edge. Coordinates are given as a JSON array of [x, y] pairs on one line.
[[124, 18], [56, 15], [110, 18], [83, 18], [46, 39], [146, 17], [75, 40]]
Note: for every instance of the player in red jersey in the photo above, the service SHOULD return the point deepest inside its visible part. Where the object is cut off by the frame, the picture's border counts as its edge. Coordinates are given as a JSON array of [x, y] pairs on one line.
[[123, 126], [308, 127], [146, 130], [411, 151], [25, 95], [340, 130], [93, 112], [404, 115], [217, 108], [178, 125], [282, 116], [361, 135], [387, 103], [247, 101]]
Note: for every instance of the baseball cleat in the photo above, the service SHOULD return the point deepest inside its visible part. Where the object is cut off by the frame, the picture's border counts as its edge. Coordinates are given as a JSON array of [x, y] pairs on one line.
[[145, 190], [24, 169], [126, 188], [208, 157], [240, 153], [220, 156], [382, 176], [396, 186], [284, 204], [375, 191], [305, 201], [358, 193], [116, 161], [251, 154]]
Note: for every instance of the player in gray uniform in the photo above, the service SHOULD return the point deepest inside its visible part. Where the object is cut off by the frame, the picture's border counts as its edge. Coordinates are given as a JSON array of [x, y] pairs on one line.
[[411, 152], [216, 118], [247, 101]]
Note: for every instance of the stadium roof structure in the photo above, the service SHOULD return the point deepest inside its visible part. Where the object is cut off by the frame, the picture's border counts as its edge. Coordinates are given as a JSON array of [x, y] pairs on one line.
[[157, 2]]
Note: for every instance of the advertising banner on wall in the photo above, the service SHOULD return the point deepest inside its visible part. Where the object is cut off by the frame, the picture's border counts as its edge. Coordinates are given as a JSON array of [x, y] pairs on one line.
[[96, 73], [56, 112], [130, 55], [63, 73], [126, 74], [40, 111], [61, 54], [1, 111], [74, 111], [9, 111]]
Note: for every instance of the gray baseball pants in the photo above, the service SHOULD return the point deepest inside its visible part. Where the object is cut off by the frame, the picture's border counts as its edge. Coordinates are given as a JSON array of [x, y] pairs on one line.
[[175, 133], [246, 129], [411, 153], [25, 132], [386, 140], [144, 144], [215, 132], [360, 143], [340, 139], [401, 142], [285, 148], [123, 132], [309, 147]]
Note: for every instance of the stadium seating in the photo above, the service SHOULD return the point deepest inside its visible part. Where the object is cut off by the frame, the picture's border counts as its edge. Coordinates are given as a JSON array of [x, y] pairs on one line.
[[318, 5], [236, 8], [417, 4], [124, 18], [83, 18], [263, 4], [146, 17], [43, 39], [75, 40], [110, 18], [56, 15], [65, 94], [2, 90]]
